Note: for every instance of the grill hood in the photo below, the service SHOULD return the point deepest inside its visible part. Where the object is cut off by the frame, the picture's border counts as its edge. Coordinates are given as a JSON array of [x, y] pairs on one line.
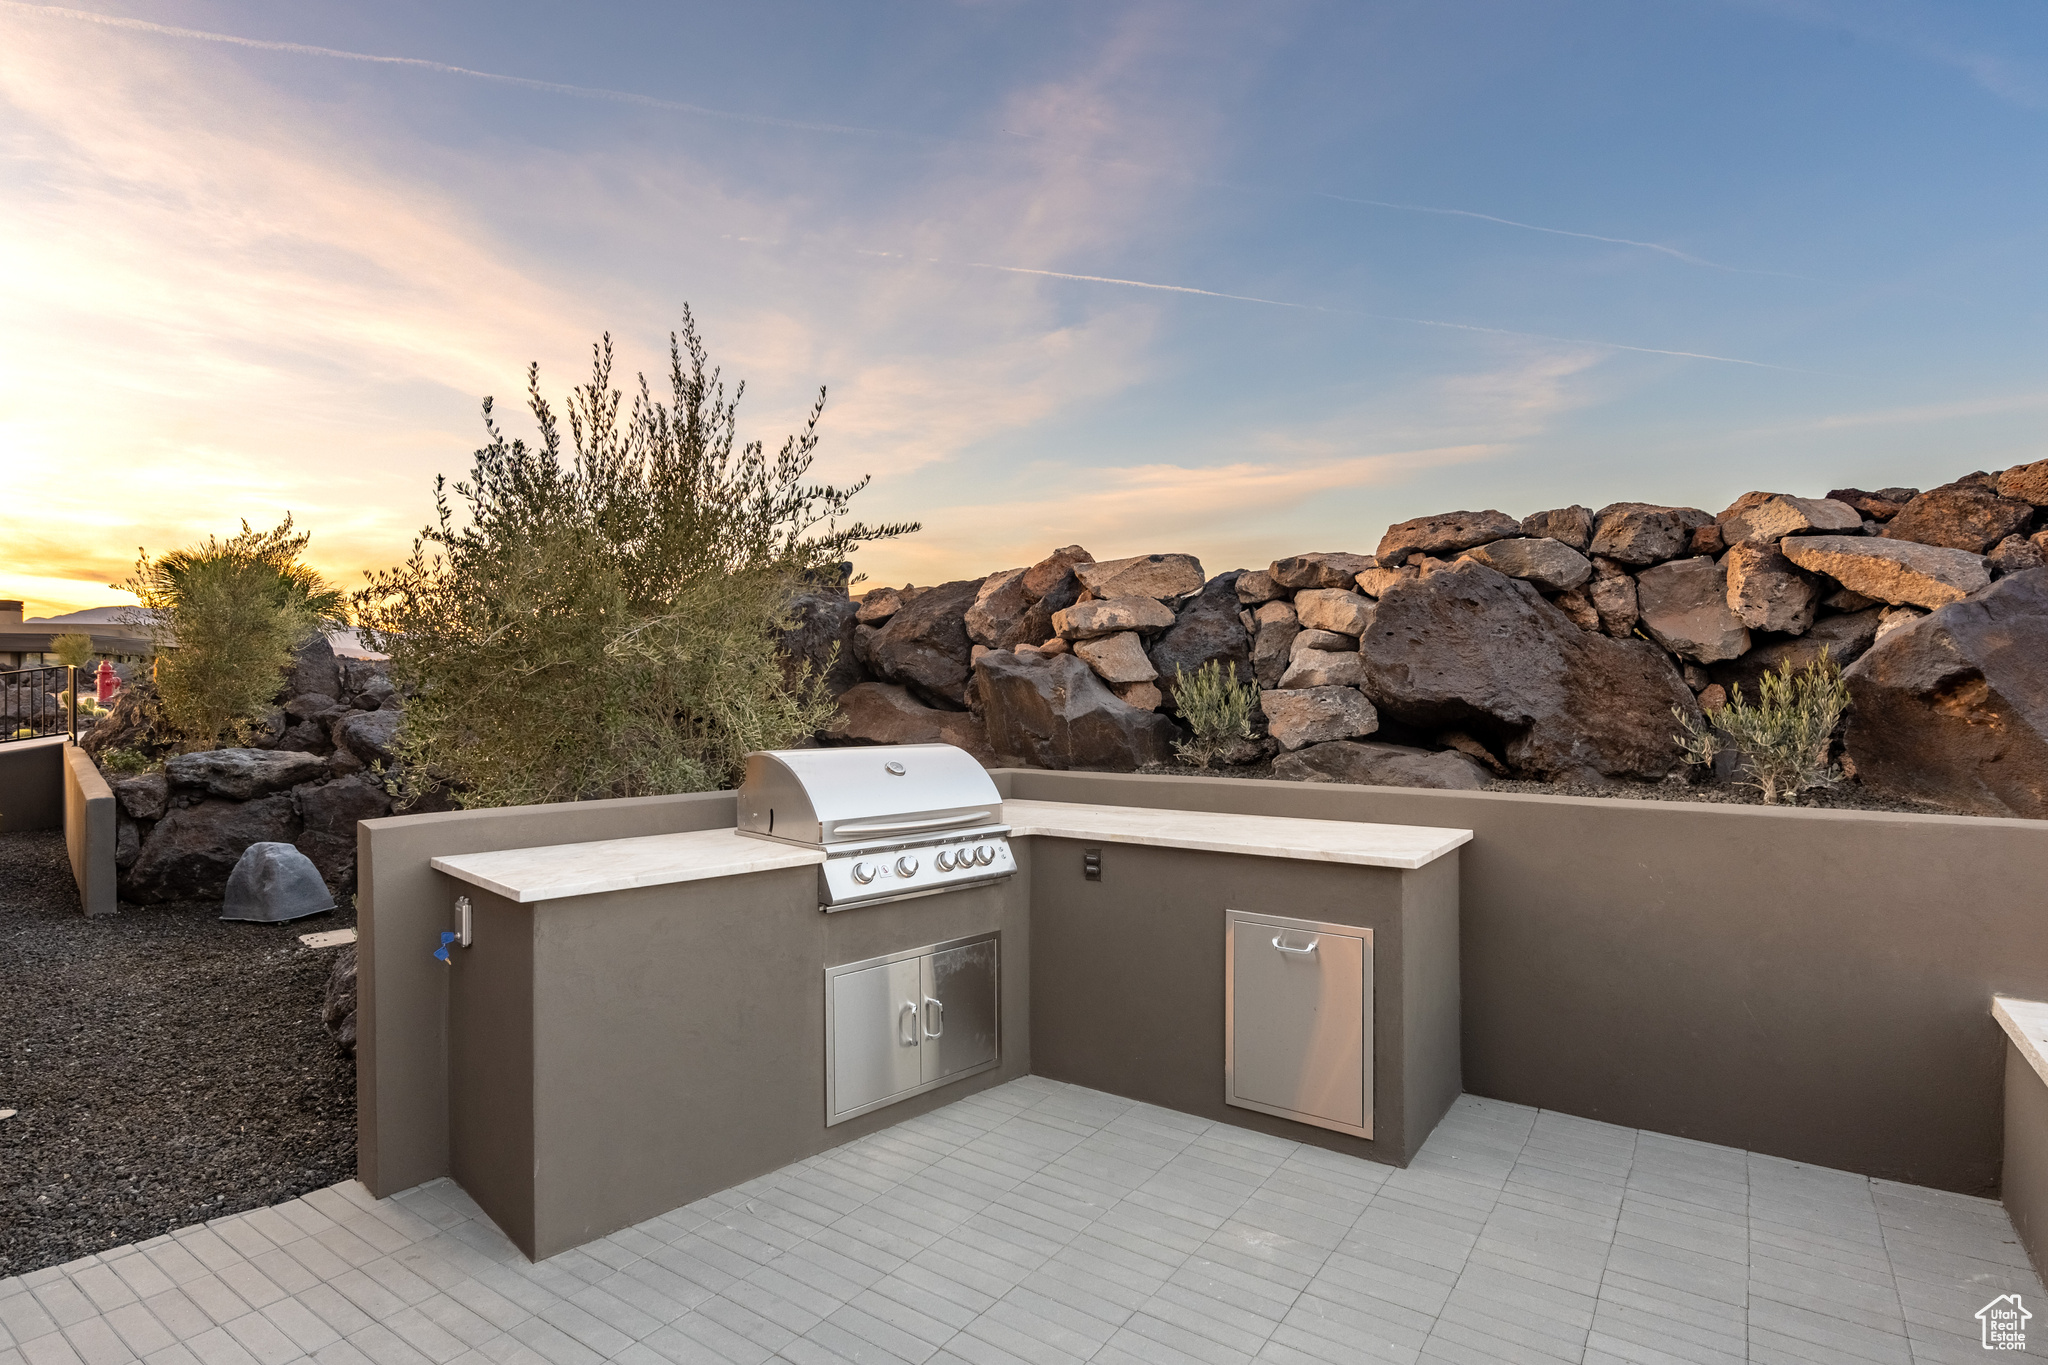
[[827, 798]]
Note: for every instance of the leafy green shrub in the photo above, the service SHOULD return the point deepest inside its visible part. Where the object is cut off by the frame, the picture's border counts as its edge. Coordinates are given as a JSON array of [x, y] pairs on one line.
[[1216, 706], [225, 618], [1784, 740], [604, 622], [75, 650], [125, 762]]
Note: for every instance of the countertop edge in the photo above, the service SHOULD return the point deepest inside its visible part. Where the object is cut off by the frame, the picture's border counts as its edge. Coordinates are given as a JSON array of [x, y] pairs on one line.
[[1202, 845], [2026, 1023]]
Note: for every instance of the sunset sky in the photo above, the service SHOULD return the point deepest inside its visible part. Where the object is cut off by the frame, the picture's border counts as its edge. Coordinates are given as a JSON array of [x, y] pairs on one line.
[[1236, 279]]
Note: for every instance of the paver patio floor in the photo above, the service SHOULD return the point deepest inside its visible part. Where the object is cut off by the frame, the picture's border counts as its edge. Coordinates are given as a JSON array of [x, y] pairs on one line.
[[1046, 1224]]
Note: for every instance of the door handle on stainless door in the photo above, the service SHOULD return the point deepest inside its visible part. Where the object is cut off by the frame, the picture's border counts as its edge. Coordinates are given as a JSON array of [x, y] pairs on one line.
[[929, 1003], [1285, 949], [907, 1038]]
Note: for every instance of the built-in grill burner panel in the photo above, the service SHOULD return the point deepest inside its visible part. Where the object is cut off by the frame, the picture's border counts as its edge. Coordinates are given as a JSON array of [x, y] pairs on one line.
[[893, 820]]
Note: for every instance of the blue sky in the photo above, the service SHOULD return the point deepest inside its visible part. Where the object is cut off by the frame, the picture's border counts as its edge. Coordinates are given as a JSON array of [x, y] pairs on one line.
[[1484, 255]]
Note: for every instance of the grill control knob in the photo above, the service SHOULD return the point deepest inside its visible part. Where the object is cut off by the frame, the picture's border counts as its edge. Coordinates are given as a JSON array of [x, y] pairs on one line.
[[906, 866], [945, 860], [984, 855], [863, 874]]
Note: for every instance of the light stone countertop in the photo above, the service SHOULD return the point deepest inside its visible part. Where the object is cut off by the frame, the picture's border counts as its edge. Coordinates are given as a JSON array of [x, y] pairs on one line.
[[2026, 1023], [555, 871], [1263, 836]]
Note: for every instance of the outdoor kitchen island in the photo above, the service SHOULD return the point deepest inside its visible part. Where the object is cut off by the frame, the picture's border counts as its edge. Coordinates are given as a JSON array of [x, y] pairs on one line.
[[637, 1023]]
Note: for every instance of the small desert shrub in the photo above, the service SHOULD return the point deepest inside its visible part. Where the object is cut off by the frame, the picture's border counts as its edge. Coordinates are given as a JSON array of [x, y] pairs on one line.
[[225, 617], [1216, 706], [125, 762], [1783, 740], [75, 650], [603, 620]]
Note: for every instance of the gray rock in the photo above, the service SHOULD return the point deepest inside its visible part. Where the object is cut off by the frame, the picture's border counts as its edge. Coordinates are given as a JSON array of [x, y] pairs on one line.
[[371, 736], [1766, 591], [1328, 641], [1373, 582], [1273, 646], [338, 1007], [1206, 629], [925, 646], [1256, 585], [1160, 577], [2015, 555], [886, 713], [1043, 579], [1336, 609], [330, 812], [1569, 526], [1108, 616], [877, 605], [1547, 565], [1320, 569], [2026, 483], [1685, 609], [190, 853], [999, 607], [314, 669], [1579, 607], [243, 773], [1316, 668], [1373, 764], [1443, 534], [1051, 711], [819, 638], [1895, 571], [1964, 515], [1118, 658], [1314, 715], [1469, 649], [1845, 638], [1954, 708], [1644, 533], [127, 841], [273, 883], [1880, 506], [1766, 518], [145, 797], [1614, 600]]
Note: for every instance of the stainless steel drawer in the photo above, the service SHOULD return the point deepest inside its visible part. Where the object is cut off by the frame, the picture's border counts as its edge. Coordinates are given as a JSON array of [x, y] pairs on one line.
[[900, 1025], [1298, 1020]]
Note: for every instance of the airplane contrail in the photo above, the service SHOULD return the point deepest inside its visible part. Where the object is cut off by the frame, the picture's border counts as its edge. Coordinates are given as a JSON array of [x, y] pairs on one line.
[[420, 63]]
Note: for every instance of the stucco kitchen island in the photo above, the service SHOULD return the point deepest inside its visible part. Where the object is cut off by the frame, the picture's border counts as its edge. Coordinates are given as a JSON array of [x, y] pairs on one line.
[[640, 1021]]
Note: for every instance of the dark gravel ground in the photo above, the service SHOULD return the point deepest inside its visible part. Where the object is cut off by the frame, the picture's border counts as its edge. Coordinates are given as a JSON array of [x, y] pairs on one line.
[[168, 1068]]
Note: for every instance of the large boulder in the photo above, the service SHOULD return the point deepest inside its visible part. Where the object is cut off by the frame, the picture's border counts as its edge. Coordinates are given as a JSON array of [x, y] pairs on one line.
[[1373, 764], [1685, 609], [1882, 505], [1645, 533], [1255, 586], [1316, 715], [144, 797], [330, 812], [372, 736], [1044, 578], [1766, 591], [1901, 572], [1207, 629], [1766, 518], [1953, 708], [1051, 711], [134, 722], [1118, 658], [925, 645], [243, 773], [1313, 668], [1470, 649], [1375, 581], [1446, 533], [314, 670], [1338, 609], [1160, 577], [1319, 569], [192, 851], [1571, 526], [1548, 565], [1844, 638], [820, 638], [1964, 515], [886, 713], [1273, 645], [1086, 620], [2026, 483], [999, 607]]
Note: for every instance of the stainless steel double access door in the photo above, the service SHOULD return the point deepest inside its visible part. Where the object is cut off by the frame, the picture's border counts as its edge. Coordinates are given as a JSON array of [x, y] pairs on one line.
[[899, 1025]]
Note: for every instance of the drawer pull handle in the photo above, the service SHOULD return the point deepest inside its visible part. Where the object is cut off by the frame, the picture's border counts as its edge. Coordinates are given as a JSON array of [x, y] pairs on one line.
[[931, 1004], [1301, 951], [906, 1024]]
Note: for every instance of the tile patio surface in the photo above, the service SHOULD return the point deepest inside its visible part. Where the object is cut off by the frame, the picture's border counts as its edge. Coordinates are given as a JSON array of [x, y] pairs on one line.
[[1045, 1224]]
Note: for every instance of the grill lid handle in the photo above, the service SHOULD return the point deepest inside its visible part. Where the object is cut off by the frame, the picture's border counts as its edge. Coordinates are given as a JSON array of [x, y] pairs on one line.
[[972, 817]]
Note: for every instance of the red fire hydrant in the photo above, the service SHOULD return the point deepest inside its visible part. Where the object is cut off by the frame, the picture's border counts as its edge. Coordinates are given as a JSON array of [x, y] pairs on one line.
[[108, 681]]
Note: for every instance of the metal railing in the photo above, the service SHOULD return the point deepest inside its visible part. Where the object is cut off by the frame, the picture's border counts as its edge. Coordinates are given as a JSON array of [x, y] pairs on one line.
[[36, 703]]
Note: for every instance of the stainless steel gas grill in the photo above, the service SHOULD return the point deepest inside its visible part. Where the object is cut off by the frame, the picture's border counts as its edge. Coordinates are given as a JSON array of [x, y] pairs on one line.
[[893, 820]]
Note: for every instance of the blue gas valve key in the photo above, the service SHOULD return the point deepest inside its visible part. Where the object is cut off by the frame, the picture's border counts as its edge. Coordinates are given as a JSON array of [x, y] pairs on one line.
[[442, 951]]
